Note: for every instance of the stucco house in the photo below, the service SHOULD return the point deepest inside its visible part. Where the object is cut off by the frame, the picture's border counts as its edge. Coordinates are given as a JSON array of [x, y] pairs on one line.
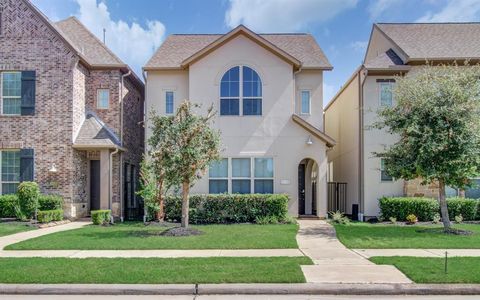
[[267, 89], [69, 113], [393, 49]]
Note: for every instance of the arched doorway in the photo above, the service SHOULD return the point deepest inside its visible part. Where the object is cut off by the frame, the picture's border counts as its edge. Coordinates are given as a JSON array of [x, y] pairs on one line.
[[307, 187]]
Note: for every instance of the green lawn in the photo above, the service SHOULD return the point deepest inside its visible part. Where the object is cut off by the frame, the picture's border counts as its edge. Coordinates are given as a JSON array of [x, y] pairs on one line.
[[374, 236], [432, 270], [11, 228], [137, 236], [153, 270]]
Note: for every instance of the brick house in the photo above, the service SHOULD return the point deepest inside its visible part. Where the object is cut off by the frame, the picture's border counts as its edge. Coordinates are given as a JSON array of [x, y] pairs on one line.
[[71, 113]]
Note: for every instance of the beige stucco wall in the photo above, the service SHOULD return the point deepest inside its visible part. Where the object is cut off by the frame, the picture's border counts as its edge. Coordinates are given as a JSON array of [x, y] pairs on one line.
[[310, 80], [379, 44], [271, 135], [342, 124]]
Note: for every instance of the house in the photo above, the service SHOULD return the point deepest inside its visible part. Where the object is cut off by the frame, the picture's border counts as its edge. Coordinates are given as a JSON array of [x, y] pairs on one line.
[[393, 49], [70, 113], [267, 89]]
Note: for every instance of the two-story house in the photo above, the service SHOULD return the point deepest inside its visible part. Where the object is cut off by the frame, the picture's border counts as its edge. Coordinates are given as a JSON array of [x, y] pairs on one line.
[[70, 113], [267, 90], [393, 49]]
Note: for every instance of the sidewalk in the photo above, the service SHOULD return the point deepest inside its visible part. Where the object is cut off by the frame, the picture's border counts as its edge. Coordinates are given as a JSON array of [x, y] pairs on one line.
[[367, 253]]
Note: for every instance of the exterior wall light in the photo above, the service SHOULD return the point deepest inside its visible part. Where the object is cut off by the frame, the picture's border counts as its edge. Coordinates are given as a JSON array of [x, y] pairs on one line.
[[53, 169], [309, 140]]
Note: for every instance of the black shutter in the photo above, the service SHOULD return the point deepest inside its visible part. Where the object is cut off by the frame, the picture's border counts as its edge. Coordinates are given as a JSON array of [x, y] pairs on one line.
[[26, 164], [28, 93]]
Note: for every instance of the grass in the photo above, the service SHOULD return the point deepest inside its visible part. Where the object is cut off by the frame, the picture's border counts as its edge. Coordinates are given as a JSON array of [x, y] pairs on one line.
[[432, 270], [375, 236], [153, 270], [11, 228], [130, 236]]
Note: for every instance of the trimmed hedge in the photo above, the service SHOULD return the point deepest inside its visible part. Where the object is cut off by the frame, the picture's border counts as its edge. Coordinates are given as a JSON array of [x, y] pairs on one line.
[[45, 216], [466, 207], [100, 217], [50, 202], [28, 192], [228, 208], [7, 205]]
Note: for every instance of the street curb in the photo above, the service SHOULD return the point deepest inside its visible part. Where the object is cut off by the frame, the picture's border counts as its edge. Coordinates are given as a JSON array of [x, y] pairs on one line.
[[240, 289]]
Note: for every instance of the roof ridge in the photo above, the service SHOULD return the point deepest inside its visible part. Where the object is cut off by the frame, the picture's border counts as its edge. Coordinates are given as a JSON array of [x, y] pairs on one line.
[[268, 33], [426, 23]]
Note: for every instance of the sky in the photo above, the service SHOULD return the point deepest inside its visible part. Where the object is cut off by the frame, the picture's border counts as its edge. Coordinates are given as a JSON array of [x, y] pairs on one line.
[[135, 29]]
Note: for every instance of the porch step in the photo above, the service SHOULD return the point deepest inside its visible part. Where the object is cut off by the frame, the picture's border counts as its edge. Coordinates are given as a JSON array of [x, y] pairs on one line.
[[309, 217]]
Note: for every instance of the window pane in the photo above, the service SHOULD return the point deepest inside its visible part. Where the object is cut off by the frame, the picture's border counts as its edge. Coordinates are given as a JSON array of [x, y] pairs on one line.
[[383, 174], [263, 167], [10, 166], [230, 83], [240, 167], [474, 191], [12, 106], [169, 102], [103, 96], [12, 83], [305, 102], [241, 186], [252, 85], [9, 188], [386, 94], [229, 107], [263, 186], [219, 169], [216, 186], [252, 107]]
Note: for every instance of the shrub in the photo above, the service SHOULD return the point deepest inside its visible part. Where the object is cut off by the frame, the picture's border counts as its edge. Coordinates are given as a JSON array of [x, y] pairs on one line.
[[7, 206], [45, 216], [101, 217], [228, 208], [412, 219], [28, 193], [339, 218], [459, 219], [50, 202], [468, 208], [436, 218], [264, 220], [393, 220], [400, 207]]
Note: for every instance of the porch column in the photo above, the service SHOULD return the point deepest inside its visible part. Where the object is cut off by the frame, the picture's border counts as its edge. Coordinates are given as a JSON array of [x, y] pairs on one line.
[[104, 178]]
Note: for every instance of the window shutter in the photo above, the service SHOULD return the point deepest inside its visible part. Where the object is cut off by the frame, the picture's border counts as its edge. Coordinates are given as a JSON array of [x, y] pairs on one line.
[[26, 164], [28, 93]]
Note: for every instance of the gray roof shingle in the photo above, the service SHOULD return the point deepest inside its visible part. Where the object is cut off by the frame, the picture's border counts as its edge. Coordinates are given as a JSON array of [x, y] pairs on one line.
[[95, 133], [384, 60]]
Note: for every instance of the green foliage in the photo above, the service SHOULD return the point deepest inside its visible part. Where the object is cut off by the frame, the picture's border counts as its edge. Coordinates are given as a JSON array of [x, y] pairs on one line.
[[7, 205], [339, 218], [412, 219], [468, 208], [436, 218], [101, 217], [50, 202], [400, 207], [459, 219], [393, 220], [45, 216], [149, 189], [28, 193], [229, 208], [265, 220]]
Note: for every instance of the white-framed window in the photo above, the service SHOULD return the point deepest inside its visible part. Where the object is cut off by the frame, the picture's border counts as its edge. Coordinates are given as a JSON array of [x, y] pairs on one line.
[[241, 92], [103, 98], [386, 93], [11, 93], [9, 171], [305, 102], [169, 102], [243, 175], [383, 173]]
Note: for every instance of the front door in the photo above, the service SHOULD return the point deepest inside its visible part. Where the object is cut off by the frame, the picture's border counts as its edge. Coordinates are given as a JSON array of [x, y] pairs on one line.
[[94, 185], [301, 189]]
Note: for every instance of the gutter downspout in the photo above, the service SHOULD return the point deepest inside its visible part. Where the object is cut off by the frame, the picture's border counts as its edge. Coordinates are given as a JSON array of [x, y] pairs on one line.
[[144, 74], [295, 89], [110, 181], [361, 181], [121, 143]]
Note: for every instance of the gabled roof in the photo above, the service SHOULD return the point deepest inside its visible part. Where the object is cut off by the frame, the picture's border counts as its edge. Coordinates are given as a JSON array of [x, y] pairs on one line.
[[434, 41], [95, 134], [385, 61], [330, 142], [180, 50]]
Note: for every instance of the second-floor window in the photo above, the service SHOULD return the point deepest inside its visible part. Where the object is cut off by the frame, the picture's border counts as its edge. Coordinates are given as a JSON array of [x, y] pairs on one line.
[[240, 92], [169, 103], [386, 94], [305, 109], [11, 93], [103, 98], [383, 172]]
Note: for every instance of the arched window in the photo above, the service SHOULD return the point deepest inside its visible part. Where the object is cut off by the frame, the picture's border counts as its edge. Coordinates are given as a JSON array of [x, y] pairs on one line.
[[240, 84]]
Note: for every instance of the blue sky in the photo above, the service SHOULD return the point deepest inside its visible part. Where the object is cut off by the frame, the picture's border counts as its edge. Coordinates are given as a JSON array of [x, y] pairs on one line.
[[342, 27]]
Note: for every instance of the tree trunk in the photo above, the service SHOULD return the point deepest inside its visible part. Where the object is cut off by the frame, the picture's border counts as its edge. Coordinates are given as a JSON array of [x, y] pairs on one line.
[[443, 205], [160, 216], [185, 203]]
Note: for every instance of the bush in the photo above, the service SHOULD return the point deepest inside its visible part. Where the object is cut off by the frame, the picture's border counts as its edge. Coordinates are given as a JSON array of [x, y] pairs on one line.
[[7, 206], [436, 218], [468, 208], [393, 220], [50, 202], [27, 193], [339, 218], [400, 207], [459, 219], [45, 216], [266, 220], [228, 208], [101, 217], [412, 219]]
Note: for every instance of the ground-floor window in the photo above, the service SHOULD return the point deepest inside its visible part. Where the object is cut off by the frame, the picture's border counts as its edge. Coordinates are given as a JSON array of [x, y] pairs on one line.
[[244, 175], [10, 171], [383, 173]]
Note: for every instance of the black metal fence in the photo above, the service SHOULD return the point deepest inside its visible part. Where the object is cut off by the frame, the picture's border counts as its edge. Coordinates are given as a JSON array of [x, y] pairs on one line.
[[337, 196]]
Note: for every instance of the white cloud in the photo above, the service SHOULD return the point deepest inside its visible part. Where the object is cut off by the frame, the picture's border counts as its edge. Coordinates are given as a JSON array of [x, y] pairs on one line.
[[455, 11], [133, 43], [283, 15], [359, 46], [377, 8]]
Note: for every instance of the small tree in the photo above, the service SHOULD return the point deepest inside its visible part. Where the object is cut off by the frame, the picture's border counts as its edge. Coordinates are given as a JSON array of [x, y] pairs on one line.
[[437, 119]]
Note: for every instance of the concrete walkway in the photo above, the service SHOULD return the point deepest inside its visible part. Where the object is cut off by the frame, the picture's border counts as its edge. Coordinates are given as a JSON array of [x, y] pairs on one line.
[[367, 253], [334, 263]]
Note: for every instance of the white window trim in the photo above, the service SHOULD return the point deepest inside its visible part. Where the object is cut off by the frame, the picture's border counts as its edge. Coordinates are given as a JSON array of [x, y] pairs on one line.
[[1, 181], [382, 170], [309, 102], [9, 97], [221, 178], [380, 93], [173, 99], [98, 98]]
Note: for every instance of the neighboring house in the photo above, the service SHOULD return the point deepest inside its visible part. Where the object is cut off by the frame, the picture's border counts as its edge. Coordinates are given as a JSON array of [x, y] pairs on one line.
[[394, 49], [267, 89], [70, 113]]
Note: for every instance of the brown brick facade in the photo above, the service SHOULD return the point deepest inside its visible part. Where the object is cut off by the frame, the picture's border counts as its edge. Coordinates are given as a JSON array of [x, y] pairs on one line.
[[414, 188]]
